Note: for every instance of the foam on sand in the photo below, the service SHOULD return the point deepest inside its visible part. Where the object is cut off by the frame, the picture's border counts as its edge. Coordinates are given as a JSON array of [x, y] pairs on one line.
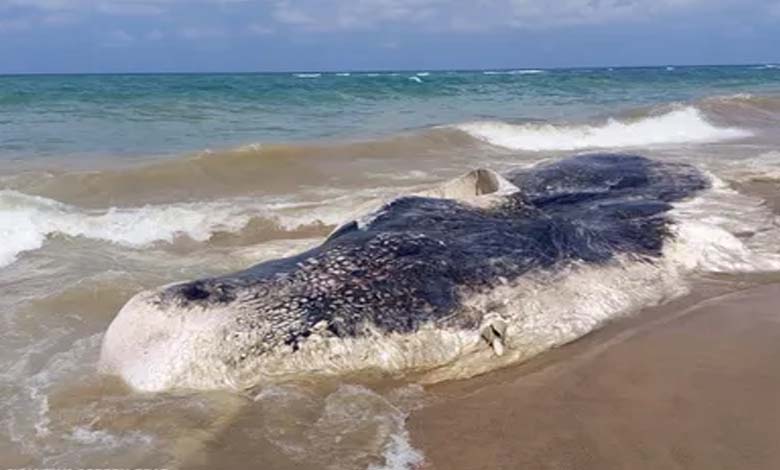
[[331, 425]]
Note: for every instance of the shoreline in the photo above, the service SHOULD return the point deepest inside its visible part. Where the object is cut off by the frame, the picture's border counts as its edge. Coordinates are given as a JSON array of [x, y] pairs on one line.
[[688, 384]]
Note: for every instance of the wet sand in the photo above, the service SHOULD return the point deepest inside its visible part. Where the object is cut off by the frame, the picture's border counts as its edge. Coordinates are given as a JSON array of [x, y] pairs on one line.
[[689, 385]]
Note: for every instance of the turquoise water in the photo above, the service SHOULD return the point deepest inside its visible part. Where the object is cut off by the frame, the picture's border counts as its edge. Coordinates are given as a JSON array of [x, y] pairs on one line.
[[132, 115]]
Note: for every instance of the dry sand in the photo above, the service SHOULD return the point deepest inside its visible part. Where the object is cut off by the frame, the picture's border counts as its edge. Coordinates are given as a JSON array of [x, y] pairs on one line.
[[689, 385]]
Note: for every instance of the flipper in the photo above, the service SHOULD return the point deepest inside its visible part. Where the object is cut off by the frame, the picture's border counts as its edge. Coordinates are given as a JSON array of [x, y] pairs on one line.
[[494, 335]]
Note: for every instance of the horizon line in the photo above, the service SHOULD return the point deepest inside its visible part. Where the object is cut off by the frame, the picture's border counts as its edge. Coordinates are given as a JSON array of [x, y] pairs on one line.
[[415, 70]]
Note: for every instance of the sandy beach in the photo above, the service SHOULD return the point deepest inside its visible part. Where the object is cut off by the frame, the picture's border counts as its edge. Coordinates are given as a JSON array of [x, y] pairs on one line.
[[688, 385]]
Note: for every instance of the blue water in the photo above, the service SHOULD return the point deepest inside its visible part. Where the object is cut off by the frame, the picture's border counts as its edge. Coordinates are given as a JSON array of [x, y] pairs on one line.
[[150, 115]]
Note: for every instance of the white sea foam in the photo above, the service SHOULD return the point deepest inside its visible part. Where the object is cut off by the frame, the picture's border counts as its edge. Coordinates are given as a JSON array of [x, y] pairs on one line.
[[100, 438], [253, 147], [764, 166], [26, 221], [27, 411], [723, 230], [514, 72], [399, 454], [684, 125], [311, 427], [308, 75], [415, 79]]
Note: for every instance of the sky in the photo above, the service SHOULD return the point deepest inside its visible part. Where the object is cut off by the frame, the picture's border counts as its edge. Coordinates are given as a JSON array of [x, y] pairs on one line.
[[94, 36]]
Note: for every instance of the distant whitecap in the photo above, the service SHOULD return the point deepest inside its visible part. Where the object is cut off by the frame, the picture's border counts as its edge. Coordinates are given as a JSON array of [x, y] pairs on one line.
[[514, 72]]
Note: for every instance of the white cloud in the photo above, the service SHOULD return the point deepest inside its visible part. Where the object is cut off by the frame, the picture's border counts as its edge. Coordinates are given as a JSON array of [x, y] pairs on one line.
[[429, 15], [391, 45], [154, 35], [470, 15], [118, 38], [359, 14], [535, 13], [59, 19], [130, 9], [130, 6], [48, 5], [260, 29], [288, 14], [15, 25], [194, 33]]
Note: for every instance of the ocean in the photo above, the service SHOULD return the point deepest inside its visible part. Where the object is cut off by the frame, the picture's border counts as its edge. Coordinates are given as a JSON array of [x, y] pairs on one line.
[[112, 184]]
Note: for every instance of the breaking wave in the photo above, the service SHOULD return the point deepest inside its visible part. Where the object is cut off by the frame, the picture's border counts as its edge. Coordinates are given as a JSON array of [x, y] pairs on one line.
[[26, 221], [265, 169], [685, 125]]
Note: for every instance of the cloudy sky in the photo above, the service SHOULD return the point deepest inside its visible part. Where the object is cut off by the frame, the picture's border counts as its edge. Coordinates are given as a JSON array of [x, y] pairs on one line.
[[275, 35]]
